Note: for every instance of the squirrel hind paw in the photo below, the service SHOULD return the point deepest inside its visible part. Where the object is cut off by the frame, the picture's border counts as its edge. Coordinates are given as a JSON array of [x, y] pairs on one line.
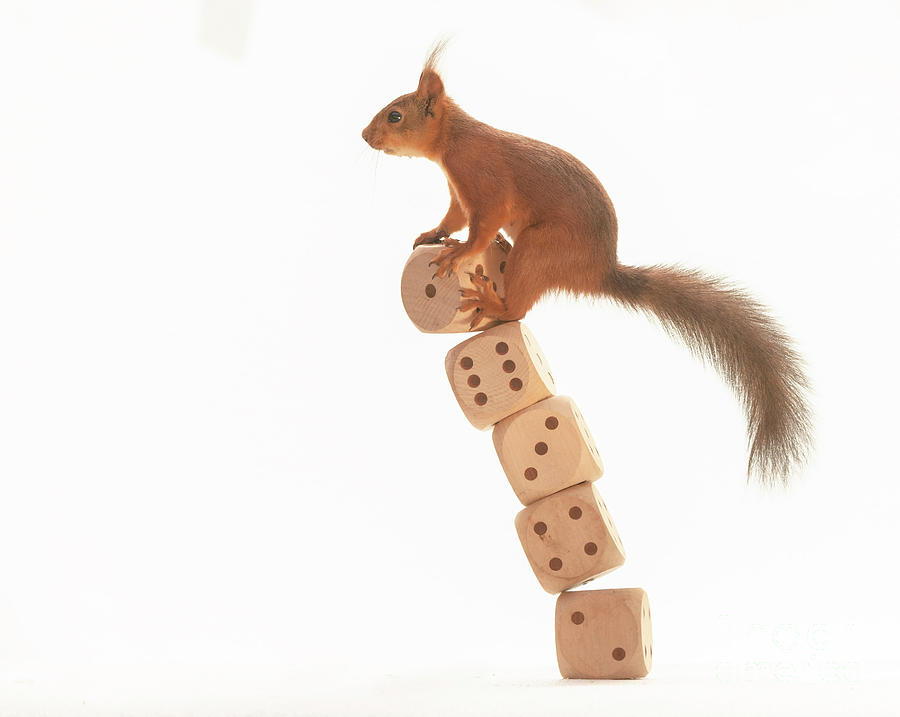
[[482, 299]]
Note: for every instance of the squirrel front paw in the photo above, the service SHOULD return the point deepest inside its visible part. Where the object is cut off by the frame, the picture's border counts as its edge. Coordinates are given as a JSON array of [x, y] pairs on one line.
[[432, 237], [449, 258]]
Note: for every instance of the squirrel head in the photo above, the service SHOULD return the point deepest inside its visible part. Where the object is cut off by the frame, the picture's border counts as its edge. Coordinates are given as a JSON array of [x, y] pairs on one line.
[[410, 126]]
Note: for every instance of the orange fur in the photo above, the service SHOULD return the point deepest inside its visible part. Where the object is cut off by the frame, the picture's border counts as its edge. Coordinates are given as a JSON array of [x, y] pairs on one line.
[[564, 232]]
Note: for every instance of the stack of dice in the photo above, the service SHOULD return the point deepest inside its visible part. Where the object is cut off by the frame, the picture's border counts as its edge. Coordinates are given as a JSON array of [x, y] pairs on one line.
[[501, 380]]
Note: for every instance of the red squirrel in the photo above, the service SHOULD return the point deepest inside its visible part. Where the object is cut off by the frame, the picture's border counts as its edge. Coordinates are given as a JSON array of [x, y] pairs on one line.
[[563, 230]]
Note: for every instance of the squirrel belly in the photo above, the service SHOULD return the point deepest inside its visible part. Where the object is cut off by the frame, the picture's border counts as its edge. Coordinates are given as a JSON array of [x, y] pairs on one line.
[[564, 232]]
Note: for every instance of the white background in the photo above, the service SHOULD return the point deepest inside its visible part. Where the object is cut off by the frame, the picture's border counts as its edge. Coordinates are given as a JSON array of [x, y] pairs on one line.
[[233, 479]]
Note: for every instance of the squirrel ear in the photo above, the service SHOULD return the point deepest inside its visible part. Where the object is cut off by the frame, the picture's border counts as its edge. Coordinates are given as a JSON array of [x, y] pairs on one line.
[[430, 86]]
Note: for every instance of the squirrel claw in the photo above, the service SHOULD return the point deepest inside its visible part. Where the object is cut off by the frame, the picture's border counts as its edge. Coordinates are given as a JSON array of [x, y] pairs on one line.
[[476, 320]]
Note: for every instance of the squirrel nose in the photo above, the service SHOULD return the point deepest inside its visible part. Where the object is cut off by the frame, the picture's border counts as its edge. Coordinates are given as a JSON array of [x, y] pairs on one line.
[[365, 135]]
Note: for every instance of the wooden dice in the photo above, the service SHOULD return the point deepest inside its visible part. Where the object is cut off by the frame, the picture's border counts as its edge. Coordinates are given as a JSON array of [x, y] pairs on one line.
[[432, 303], [603, 634], [500, 378], [545, 448], [569, 538], [498, 372]]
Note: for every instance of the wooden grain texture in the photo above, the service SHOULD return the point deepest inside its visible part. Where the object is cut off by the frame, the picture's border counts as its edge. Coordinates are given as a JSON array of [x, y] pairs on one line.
[[498, 372], [545, 448], [569, 538], [432, 303], [604, 634]]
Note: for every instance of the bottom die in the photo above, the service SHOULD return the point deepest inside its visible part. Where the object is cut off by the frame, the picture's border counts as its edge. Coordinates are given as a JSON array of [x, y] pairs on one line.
[[603, 634]]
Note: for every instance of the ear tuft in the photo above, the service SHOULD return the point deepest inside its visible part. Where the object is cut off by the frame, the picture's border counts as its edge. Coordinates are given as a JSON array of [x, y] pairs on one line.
[[437, 50], [431, 87]]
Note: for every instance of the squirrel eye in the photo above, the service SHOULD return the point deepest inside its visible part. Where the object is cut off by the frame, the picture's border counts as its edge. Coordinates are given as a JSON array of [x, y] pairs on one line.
[[394, 116]]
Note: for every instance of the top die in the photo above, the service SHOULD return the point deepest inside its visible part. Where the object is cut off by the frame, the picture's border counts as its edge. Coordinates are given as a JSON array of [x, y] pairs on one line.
[[432, 302], [498, 372]]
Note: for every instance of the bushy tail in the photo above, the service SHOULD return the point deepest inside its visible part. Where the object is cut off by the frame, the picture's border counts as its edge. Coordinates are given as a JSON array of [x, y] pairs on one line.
[[733, 332]]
